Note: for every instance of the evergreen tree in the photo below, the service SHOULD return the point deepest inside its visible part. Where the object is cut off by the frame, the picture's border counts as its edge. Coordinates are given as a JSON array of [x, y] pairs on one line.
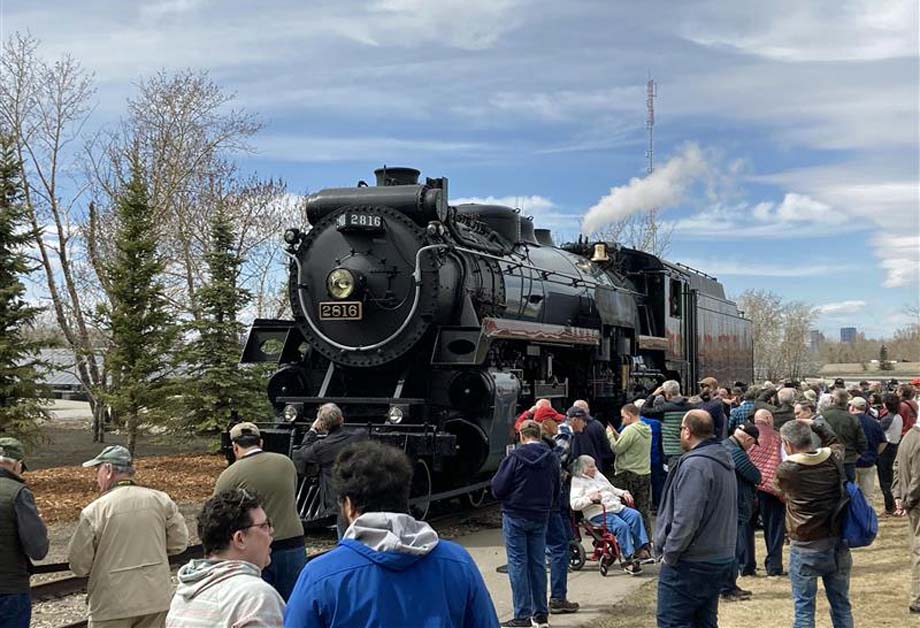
[[21, 391], [223, 390], [142, 332]]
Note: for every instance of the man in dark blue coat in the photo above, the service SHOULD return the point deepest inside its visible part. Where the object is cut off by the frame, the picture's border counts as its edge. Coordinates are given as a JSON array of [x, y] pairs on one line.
[[592, 441], [748, 477], [525, 484], [875, 444], [389, 569], [712, 403]]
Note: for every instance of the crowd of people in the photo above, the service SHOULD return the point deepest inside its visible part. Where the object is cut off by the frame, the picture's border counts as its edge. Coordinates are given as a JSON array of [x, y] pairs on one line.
[[388, 569], [710, 467], [707, 467]]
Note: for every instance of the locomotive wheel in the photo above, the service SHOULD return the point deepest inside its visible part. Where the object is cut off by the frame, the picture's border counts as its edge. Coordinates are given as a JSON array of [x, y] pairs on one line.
[[421, 490], [577, 556]]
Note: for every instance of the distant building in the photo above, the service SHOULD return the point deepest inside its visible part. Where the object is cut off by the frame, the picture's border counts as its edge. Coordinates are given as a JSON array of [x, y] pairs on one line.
[[848, 334], [815, 338]]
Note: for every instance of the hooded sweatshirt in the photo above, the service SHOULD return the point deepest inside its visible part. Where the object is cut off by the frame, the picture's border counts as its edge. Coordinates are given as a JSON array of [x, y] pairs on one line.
[[697, 519], [526, 481], [633, 449], [391, 570], [226, 593]]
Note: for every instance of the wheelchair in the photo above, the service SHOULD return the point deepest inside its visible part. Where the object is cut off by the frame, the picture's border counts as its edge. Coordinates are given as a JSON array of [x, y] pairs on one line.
[[606, 550]]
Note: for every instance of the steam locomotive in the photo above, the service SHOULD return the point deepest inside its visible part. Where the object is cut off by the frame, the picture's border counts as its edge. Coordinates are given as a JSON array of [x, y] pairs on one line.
[[432, 326]]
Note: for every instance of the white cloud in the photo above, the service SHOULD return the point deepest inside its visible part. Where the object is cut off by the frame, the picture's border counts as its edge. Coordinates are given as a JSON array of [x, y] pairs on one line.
[[546, 214], [663, 188], [384, 149], [465, 24], [528, 204], [900, 258], [162, 8], [794, 31], [730, 267], [842, 307], [802, 208], [874, 197]]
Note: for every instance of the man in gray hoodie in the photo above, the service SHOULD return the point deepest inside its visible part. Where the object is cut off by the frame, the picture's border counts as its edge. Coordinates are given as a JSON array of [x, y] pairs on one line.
[[696, 530], [226, 588]]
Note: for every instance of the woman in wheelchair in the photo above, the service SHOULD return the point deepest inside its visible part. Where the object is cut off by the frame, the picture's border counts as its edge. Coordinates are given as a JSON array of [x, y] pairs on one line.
[[593, 494]]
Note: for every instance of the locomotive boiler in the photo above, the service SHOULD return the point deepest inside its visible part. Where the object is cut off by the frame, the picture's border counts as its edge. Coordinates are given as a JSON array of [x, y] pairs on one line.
[[432, 325]]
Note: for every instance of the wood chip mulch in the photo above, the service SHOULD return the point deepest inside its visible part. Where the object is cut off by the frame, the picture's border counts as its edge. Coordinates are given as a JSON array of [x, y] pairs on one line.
[[62, 492]]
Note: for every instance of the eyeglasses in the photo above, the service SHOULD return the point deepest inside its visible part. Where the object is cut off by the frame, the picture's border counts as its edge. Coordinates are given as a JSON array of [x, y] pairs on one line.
[[265, 525]]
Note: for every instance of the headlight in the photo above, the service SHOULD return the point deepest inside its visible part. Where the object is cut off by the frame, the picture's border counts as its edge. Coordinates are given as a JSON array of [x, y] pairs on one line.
[[340, 283], [395, 415], [291, 413]]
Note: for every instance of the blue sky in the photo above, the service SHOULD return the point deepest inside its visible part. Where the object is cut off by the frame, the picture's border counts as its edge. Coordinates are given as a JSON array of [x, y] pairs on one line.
[[786, 132]]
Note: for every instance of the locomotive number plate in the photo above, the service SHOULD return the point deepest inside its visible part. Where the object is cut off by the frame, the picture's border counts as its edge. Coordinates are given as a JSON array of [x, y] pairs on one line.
[[340, 311], [359, 221]]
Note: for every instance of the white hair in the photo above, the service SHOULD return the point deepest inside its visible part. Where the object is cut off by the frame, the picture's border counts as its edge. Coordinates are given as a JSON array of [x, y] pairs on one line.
[[670, 388], [824, 402], [786, 395], [581, 463]]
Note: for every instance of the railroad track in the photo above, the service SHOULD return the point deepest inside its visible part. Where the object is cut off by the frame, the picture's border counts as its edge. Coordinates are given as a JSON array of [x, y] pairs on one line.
[[63, 587]]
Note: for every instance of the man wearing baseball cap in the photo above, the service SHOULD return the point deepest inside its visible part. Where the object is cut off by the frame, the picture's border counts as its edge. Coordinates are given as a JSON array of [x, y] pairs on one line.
[[23, 536], [747, 475], [712, 403], [273, 477], [122, 542]]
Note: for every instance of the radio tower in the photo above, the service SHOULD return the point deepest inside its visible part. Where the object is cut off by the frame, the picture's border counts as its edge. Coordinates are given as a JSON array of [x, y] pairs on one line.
[[650, 237]]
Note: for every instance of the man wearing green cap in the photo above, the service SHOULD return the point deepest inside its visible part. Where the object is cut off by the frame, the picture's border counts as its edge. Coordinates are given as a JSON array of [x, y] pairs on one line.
[[122, 542], [23, 536]]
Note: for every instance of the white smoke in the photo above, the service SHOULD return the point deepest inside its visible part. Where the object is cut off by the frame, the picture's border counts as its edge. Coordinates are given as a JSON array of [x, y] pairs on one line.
[[665, 187]]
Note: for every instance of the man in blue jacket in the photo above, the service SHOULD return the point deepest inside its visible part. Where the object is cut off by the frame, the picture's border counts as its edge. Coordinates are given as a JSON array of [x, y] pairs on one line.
[[525, 484], [388, 569], [748, 477], [696, 530]]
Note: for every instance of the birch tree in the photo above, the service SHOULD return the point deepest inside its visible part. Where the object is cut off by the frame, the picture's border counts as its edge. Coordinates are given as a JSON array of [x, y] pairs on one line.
[[44, 106]]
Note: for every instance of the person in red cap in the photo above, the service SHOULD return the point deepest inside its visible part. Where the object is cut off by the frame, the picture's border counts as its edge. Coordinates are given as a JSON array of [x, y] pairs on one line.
[[539, 412]]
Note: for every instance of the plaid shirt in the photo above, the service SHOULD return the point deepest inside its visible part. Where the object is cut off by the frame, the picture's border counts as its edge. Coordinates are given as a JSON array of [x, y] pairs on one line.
[[739, 415], [563, 440]]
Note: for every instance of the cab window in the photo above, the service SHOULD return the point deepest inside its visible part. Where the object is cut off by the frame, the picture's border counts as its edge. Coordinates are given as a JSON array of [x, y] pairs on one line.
[[674, 300]]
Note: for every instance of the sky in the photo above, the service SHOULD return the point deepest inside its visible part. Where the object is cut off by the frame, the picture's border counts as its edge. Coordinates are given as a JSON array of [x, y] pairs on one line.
[[787, 133]]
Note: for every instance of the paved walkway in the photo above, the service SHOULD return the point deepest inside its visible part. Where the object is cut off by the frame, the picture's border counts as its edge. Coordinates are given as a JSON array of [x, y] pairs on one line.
[[595, 593]]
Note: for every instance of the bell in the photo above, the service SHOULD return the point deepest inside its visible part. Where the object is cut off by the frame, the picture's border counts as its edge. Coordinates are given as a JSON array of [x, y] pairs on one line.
[[600, 253]]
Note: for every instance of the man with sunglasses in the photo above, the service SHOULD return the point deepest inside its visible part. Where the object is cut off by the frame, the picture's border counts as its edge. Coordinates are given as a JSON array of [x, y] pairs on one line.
[[122, 542], [226, 588]]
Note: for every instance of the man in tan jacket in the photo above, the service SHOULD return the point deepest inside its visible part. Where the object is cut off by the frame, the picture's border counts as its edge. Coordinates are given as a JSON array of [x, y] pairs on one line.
[[122, 542], [906, 490]]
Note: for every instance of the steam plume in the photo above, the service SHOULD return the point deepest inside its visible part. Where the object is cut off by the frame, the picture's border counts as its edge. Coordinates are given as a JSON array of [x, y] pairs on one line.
[[665, 187]]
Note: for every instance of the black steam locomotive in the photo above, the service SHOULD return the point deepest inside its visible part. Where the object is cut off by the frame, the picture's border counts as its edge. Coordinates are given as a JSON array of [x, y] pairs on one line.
[[432, 326]]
